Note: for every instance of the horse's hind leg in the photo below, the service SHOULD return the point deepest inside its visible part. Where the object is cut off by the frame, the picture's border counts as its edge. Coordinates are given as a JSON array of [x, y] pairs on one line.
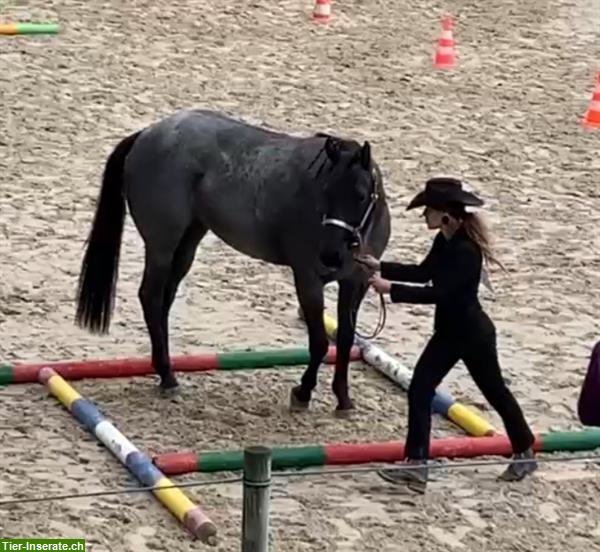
[[157, 293], [157, 271], [166, 265], [151, 294], [182, 262], [310, 296]]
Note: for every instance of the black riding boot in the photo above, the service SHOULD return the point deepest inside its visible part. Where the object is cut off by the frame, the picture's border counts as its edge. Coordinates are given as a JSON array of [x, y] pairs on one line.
[[518, 470]]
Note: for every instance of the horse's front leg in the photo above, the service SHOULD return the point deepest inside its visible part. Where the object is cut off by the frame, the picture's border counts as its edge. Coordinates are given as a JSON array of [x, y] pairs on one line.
[[350, 295], [309, 290]]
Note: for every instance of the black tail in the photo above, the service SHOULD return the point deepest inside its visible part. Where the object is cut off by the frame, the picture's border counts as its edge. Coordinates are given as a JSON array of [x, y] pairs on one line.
[[99, 270]]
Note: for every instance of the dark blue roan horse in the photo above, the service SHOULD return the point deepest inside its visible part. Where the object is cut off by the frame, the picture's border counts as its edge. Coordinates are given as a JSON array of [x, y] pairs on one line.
[[302, 202]]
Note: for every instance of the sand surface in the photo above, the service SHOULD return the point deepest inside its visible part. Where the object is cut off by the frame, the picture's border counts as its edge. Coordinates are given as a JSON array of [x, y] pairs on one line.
[[506, 119]]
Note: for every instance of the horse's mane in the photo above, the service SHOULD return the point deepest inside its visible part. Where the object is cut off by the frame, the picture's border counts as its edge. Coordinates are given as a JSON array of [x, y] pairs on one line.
[[340, 143]]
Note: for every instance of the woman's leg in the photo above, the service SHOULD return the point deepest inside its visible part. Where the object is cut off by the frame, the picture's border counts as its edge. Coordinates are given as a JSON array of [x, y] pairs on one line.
[[481, 359], [436, 360]]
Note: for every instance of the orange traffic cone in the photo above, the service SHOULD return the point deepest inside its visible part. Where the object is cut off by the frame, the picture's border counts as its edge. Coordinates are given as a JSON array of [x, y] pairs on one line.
[[322, 11], [591, 119], [444, 55]]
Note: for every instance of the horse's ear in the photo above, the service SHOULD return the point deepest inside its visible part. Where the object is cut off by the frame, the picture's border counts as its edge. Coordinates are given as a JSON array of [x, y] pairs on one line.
[[365, 156], [332, 149]]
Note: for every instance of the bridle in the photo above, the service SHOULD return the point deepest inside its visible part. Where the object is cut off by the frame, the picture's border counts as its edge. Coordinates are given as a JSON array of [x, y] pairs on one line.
[[358, 241], [356, 231], [358, 237]]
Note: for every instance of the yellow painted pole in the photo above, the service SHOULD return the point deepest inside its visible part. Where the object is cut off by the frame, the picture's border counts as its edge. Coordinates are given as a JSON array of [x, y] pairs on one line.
[[86, 412]]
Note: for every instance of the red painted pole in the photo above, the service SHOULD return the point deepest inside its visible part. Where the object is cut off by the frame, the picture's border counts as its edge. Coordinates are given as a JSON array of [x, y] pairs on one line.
[[178, 463], [451, 447], [130, 367], [112, 368]]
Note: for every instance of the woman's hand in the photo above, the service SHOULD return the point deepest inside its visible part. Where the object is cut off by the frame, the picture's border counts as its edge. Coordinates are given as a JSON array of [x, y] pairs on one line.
[[379, 284], [368, 261]]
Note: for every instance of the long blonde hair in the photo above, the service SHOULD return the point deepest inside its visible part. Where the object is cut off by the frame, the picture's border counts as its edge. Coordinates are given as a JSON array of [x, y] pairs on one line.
[[478, 231]]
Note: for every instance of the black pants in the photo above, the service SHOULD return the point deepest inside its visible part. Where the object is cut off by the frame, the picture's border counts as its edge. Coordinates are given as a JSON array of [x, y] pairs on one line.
[[478, 352]]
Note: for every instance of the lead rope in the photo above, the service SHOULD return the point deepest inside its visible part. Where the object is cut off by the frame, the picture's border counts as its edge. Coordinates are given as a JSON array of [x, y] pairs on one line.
[[382, 308], [380, 322]]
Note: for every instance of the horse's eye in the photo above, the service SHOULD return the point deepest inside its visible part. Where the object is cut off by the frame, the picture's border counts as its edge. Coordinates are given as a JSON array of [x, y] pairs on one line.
[[361, 196]]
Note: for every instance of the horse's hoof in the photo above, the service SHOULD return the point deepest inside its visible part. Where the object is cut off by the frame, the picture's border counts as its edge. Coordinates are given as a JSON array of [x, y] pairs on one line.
[[296, 405], [168, 381], [169, 389], [344, 414], [345, 409], [170, 393]]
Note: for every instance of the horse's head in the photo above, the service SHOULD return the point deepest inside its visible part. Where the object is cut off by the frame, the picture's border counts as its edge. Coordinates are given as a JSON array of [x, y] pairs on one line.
[[351, 192]]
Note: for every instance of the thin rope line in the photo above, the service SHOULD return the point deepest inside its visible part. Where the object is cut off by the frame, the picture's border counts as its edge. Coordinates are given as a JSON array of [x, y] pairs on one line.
[[439, 465], [303, 473], [122, 490]]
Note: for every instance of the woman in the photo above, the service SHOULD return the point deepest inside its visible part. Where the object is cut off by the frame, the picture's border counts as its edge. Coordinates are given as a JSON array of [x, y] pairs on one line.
[[462, 330]]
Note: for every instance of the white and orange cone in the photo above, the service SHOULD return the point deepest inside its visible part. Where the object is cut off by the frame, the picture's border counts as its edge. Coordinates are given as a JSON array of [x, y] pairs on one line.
[[322, 11], [591, 119], [445, 57]]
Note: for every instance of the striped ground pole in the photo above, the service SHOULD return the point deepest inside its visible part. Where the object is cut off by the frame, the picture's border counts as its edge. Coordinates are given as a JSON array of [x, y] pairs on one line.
[[190, 515], [442, 403], [130, 367], [297, 457], [28, 28]]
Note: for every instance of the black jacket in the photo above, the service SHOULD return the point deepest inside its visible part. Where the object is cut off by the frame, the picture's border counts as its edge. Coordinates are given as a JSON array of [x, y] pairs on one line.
[[454, 268]]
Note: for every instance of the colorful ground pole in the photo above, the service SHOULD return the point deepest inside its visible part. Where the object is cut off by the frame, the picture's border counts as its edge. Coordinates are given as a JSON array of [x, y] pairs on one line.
[[129, 367], [178, 463], [28, 28], [190, 515], [442, 403]]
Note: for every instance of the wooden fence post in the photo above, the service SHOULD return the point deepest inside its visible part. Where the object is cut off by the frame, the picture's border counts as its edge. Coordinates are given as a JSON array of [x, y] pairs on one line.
[[255, 513]]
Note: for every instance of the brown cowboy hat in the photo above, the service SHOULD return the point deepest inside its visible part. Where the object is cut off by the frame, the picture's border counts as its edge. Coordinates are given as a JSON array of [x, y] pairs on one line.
[[444, 192]]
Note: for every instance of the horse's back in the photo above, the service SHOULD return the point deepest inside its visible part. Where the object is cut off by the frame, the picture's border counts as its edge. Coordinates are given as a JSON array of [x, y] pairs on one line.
[[238, 179], [208, 126], [201, 139]]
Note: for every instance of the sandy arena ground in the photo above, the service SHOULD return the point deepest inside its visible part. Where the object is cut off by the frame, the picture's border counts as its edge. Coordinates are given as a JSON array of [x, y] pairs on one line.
[[507, 119]]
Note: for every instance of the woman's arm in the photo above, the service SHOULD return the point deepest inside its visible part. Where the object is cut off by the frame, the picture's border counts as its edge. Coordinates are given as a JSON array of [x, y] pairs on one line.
[[461, 276], [418, 273]]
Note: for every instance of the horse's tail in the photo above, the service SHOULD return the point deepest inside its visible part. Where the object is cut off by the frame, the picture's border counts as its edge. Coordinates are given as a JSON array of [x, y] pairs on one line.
[[99, 269]]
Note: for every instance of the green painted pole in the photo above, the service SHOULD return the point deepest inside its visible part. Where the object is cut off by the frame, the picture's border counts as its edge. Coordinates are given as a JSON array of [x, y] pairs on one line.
[[255, 359], [6, 374], [28, 28], [282, 458], [569, 441], [179, 463]]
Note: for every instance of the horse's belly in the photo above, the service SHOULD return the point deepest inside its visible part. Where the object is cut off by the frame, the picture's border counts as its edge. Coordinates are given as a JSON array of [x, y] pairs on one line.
[[239, 227], [249, 212], [249, 241]]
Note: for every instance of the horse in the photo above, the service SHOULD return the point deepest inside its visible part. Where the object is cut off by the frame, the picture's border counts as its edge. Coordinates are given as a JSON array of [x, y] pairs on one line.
[[305, 202]]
